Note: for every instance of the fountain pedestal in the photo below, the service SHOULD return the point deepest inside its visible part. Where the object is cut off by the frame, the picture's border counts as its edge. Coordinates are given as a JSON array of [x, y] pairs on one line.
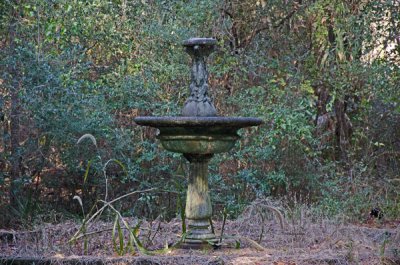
[[198, 203], [198, 134]]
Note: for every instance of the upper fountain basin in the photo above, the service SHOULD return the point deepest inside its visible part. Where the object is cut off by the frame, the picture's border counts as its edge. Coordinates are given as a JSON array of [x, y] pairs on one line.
[[198, 135]]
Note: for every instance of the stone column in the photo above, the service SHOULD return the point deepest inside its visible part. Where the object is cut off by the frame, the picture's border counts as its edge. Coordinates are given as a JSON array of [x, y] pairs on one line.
[[198, 203]]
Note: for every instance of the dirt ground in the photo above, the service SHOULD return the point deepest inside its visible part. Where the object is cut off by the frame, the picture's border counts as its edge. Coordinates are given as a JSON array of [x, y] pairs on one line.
[[256, 237]]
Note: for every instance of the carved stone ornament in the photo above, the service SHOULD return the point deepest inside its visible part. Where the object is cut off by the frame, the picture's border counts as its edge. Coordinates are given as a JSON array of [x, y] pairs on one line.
[[199, 103]]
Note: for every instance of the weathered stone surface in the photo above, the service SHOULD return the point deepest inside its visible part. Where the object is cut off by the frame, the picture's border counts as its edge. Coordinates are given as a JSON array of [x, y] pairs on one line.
[[199, 41], [198, 135], [198, 202], [199, 103], [198, 138], [197, 122]]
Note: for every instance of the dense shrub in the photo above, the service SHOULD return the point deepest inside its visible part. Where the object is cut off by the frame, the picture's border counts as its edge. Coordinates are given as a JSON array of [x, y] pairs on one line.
[[314, 71]]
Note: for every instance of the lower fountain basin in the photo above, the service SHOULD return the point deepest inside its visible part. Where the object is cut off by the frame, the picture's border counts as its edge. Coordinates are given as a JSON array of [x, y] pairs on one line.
[[198, 135]]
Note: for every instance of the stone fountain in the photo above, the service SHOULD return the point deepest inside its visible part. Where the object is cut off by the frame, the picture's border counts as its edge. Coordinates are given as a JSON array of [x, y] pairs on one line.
[[198, 134]]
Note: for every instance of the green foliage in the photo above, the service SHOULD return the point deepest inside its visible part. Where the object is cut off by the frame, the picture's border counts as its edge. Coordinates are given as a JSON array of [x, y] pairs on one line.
[[89, 67]]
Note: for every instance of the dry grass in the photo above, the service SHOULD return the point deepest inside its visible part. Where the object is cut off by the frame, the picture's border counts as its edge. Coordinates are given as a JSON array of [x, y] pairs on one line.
[[286, 237]]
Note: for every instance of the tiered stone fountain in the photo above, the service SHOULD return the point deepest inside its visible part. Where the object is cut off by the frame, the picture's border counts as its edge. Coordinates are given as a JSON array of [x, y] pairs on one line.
[[198, 134]]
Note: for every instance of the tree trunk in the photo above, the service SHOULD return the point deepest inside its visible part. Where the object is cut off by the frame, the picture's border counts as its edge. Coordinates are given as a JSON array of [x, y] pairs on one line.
[[343, 130]]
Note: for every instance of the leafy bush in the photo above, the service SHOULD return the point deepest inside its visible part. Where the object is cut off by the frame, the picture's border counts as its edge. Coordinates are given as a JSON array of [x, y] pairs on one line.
[[312, 70]]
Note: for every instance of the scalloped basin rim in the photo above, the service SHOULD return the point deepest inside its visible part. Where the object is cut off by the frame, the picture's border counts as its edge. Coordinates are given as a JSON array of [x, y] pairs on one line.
[[171, 121]]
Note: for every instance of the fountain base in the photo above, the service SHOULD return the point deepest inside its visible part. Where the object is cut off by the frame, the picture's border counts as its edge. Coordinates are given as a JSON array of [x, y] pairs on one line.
[[199, 235]]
